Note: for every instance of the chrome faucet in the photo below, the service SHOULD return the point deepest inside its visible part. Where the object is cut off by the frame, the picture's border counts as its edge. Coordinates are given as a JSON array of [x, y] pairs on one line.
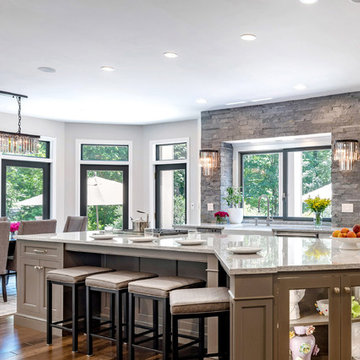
[[268, 208]]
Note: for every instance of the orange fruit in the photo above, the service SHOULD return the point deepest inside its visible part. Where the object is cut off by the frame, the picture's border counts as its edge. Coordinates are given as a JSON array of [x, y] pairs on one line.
[[345, 230], [336, 233], [351, 234]]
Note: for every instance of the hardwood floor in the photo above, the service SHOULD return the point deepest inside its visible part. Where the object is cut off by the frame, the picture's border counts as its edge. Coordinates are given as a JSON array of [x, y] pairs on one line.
[[18, 343]]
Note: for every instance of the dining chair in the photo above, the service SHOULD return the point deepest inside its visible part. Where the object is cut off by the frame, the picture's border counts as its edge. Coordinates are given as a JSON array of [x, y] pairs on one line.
[[3, 218], [76, 223], [4, 248], [37, 227]]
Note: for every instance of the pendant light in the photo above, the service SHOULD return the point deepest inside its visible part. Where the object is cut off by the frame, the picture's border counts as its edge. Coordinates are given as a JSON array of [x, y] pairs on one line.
[[18, 143], [346, 152], [209, 160]]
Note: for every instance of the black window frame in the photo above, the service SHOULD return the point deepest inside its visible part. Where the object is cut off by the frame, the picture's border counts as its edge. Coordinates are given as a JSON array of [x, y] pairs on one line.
[[46, 166], [158, 169], [157, 151], [96, 160], [284, 195], [83, 187]]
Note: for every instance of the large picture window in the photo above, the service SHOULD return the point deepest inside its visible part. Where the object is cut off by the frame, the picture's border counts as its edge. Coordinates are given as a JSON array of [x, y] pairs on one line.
[[287, 177]]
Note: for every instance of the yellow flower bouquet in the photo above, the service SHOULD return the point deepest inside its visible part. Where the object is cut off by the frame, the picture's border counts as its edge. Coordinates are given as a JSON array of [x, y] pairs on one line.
[[317, 206]]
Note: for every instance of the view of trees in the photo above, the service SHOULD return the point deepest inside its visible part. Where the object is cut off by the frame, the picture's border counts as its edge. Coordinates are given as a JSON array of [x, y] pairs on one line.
[[105, 152], [179, 186]]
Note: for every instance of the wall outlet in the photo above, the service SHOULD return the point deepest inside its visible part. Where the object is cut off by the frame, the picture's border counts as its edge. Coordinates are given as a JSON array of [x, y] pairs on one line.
[[347, 208], [210, 207]]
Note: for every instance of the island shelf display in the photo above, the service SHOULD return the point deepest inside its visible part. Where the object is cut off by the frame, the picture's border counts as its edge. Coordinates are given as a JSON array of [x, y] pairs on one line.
[[272, 293]]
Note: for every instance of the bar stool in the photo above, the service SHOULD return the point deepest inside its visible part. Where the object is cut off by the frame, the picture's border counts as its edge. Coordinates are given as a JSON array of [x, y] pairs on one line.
[[116, 284], [73, 277], [200, 304], [157, 290]]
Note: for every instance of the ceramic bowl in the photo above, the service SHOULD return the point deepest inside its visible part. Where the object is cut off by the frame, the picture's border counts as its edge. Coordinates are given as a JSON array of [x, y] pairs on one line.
[[322, 306], [348, 243]]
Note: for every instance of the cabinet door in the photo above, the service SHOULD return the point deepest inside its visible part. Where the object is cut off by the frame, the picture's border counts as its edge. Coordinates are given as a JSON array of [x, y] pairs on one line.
[[350, 316], [296, 312], [28, 297], [45, 267]]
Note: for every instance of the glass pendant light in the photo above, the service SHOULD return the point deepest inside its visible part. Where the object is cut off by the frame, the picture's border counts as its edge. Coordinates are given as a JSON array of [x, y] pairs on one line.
[[346, 152], [209, 160], [18, 143]]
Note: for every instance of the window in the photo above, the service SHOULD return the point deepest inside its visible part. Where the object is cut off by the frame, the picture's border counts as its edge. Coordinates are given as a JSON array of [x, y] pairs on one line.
[[287, 177], [43, 151], [171, 152], [104, 152]]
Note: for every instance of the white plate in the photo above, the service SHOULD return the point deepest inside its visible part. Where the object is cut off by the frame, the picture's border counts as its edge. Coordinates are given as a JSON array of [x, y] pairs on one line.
[[142, 239], [190, 242], [244, 250], [348, 243], [102, 236]]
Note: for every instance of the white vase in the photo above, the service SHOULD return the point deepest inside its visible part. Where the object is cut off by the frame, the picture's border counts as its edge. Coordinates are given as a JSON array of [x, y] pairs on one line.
[[236, 215], [295, 297]]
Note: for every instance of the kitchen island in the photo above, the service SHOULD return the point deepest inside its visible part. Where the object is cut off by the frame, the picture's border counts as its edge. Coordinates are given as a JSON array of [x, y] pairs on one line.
[[259, 285]]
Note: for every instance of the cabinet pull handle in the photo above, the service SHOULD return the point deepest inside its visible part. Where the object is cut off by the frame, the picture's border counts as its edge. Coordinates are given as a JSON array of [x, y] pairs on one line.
[[37, 267], [37, 251], [336, 290], [347, 289]]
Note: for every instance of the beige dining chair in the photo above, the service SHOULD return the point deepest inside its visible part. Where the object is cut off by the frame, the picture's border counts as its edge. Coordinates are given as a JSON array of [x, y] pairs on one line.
[[4, 248], [37, 227], [76, 223], [3, 218]]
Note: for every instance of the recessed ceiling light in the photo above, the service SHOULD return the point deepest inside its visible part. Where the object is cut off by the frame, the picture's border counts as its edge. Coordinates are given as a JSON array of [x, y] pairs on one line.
[[236, 103], [201, 101], [170, 55], [107, 68], [309, 2], [300, 87], [248, 37], [46, 69], [263, 99]]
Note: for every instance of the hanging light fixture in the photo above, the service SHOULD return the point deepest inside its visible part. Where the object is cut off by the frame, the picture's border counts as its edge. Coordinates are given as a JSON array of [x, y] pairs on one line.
[[18, 143], [209, 160], [346, 152]]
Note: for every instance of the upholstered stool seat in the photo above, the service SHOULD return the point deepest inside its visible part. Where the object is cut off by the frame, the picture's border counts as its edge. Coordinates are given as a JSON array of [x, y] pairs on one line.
[[73, 277], [200, 304], [158, 290], [116, 285]]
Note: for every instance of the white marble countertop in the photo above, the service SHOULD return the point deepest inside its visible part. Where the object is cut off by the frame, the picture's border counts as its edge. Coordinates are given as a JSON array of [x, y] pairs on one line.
[[278, 254]]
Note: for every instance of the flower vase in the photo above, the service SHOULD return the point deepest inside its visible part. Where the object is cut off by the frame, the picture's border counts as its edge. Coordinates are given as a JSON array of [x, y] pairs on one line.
[[221, 220], [302, 345], [12, 235], [317, 219]]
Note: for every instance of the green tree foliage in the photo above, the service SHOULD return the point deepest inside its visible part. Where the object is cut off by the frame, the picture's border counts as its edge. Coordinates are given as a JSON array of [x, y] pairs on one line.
[[105, 152]]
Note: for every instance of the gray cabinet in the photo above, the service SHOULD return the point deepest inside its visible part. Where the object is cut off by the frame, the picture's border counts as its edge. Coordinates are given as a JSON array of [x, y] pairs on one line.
[[34, 260]]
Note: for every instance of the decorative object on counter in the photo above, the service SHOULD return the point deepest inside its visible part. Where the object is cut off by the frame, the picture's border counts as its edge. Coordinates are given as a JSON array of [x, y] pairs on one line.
[[102, 236], [140, 224], [18, 143], [317, 250], [348, 238], [322, 307], [14, 227], [209, 160], [317, 206], [234, 202], [346, 152], [355, 308], [191, 242], [221, 217], [302, 343], [244, 249], [295, 297]]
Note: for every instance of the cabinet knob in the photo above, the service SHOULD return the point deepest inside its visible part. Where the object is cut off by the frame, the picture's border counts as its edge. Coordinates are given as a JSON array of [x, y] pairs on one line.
[[347, 289], [336, 290], [37, 251]]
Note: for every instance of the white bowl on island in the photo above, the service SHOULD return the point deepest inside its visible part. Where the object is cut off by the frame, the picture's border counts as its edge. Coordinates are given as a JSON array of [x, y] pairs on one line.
[[348, 243]]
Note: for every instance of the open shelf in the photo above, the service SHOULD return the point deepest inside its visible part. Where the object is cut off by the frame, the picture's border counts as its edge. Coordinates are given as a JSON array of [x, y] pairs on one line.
[[313, 319]]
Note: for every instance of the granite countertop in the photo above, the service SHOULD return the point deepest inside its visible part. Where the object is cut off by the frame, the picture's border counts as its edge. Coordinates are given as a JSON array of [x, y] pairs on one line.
[[278, 254]]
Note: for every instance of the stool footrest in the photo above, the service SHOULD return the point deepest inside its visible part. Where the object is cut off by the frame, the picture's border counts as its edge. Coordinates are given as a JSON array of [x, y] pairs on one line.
[[147, 348], [191, 343]]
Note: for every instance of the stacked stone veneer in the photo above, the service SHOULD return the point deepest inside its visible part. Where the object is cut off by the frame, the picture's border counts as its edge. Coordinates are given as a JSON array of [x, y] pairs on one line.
[[336, 114]]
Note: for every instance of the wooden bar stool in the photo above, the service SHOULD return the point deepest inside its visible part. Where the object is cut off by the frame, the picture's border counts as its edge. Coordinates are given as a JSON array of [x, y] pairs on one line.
[[200, 304], [73, 277], [157, 290], [116, 284]]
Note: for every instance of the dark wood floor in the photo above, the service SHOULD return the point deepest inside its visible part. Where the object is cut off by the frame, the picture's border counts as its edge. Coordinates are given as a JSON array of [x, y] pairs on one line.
[[18, 343]]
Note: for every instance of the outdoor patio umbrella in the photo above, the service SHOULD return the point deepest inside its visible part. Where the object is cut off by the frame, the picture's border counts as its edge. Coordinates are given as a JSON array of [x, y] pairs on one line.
[[102, 191], [33, 201]]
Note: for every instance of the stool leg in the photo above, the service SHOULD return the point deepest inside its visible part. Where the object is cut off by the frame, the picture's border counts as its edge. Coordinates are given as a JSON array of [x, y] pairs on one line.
[[201, 337], [49, 312], [118, 320], [75, 325], [89, 339], [131, 326], [166, 329], [224, 336], [156, 323], [175, 336], [112, 315], [126, 317]]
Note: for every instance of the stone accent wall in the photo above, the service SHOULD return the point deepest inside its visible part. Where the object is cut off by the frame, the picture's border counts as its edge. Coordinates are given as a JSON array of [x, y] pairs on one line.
[[336, 114]]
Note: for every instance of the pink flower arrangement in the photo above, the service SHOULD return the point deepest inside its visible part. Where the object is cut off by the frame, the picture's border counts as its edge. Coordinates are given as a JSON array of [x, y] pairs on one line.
[[14, 226], [221, 214]]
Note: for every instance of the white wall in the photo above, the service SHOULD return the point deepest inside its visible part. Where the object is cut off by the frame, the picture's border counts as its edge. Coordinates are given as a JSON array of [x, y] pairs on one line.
[[49, 128]]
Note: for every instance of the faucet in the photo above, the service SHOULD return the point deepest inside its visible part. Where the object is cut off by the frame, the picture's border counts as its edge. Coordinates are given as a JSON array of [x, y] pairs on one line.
[[268, 208]]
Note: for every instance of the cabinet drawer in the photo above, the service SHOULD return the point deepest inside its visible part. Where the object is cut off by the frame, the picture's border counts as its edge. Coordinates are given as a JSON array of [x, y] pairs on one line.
[[41, 250]]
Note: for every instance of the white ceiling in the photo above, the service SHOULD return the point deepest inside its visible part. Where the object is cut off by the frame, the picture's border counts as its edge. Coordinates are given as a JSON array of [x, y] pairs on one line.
[[318, 45]]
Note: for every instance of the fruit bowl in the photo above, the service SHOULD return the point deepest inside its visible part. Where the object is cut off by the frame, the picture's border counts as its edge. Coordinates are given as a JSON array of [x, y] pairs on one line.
[[349, 238], [348, 243]]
